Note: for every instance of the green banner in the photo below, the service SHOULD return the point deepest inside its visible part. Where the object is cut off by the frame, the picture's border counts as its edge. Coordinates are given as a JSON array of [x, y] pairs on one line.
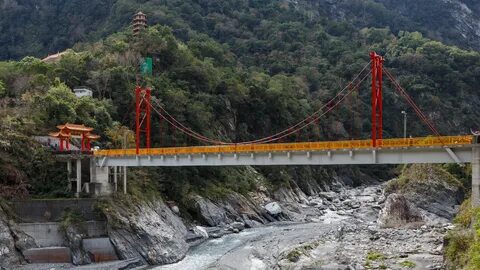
[[146, 66]]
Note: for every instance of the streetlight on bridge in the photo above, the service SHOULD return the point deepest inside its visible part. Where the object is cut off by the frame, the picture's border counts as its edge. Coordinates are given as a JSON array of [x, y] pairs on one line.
[[404, 124]]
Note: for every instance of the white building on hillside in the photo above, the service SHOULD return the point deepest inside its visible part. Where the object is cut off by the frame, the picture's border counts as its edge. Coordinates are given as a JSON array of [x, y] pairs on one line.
[[82, 91]]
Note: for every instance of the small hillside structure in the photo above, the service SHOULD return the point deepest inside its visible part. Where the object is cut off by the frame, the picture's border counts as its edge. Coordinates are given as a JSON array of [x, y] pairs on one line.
[[82, 91]]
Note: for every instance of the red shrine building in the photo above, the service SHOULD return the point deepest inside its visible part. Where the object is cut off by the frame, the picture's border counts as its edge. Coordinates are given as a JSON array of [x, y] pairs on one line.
[[68, 131]]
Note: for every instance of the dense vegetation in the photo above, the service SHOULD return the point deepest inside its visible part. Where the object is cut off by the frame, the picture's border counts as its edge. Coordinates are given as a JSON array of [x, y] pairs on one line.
[[462, 243], [41, 27]]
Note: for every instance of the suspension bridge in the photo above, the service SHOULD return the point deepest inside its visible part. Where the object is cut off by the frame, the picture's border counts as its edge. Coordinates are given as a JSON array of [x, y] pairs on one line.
[[272, 150]]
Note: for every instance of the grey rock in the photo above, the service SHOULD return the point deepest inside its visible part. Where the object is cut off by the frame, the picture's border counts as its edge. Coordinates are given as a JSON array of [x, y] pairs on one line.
[[73, 238], [201, 231], [433, 191], [197, 235], [252, 223], [398, 212], [315, 202], [23, 241], [148, 231], [9, 257], [239, 208], [175, 209], [210, 213], [238, 225], [273, 208]]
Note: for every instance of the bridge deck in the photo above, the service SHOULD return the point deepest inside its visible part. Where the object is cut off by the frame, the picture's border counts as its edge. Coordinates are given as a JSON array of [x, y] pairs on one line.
[[291, 147], [392, 151]]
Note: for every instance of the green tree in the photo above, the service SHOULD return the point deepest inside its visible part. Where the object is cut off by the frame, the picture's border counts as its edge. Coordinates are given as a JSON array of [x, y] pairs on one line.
[[3, 89]]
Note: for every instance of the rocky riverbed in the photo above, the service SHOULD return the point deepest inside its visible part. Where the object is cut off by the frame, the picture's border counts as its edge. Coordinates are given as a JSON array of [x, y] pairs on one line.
[[400, 224], [345, 232]]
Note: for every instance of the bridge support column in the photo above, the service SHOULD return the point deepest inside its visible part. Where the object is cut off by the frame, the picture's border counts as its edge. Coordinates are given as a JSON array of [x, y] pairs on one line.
[[115, 177], [124, 179], [69, 174], [79, 178], [476, 174]]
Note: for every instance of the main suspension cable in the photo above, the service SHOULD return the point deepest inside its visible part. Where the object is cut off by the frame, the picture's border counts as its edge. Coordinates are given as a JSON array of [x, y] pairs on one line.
[[286, 132]]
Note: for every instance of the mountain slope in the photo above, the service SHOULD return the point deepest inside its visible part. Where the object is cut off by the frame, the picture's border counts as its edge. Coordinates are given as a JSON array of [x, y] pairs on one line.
[[40, 27]]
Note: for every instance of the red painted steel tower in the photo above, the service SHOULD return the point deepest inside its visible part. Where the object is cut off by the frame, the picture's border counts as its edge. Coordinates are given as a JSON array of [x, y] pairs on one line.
[[143, 111], [377, 105]]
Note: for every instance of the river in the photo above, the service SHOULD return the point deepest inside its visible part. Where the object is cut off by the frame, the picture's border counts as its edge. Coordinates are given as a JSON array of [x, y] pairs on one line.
[[237, 251], [344, 236]]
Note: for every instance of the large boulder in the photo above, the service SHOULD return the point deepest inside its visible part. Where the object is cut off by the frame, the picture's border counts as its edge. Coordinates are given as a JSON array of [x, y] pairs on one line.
[[430, 188], [398, 212], [273, 208], [146, 230], [209, 213]]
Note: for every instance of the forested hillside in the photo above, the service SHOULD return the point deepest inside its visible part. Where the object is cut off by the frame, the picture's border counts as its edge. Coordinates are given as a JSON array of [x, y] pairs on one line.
[[38, 28]]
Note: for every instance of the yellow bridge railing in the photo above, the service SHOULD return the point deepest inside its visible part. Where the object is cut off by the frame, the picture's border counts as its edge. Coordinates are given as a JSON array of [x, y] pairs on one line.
[[301, 146]]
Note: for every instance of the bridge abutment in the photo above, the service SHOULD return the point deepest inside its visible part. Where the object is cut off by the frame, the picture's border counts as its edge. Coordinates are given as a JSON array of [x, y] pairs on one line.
[[476, 172]]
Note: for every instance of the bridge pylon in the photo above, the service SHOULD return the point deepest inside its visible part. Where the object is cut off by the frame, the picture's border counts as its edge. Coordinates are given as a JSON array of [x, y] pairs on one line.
[[143, 111], [377, 104]]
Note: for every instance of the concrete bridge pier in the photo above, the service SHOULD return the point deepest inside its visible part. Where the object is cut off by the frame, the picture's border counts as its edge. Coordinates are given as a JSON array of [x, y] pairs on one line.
[[124, 179], [69, 174], [79, 178], [115, 178], [476, 172]]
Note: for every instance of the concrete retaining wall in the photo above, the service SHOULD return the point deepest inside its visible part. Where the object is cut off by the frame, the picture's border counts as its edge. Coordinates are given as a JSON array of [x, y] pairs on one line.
[[49, 234], [101, 249], [48, 255], [52, 210]]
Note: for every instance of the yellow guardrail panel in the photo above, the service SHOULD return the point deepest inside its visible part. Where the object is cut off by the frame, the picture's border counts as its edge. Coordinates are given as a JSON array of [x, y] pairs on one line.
[[301, 146]]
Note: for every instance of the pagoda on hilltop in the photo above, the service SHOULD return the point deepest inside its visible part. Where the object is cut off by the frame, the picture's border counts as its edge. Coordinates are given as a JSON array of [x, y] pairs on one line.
[[139, 22], [68, 131]]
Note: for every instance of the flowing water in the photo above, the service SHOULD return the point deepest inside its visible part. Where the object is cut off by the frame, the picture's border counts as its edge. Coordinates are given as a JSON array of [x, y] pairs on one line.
[[206, 254], [340, 238]]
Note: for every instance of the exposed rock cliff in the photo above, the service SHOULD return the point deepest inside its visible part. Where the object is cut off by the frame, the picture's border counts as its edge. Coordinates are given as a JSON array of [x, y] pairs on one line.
[[430, 188], [147, 230], [452, 21], [8, 253]]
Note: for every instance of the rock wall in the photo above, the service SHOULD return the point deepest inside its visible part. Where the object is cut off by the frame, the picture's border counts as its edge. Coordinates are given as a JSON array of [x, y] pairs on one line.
[[147, 230], [431, 189], [8, 254]]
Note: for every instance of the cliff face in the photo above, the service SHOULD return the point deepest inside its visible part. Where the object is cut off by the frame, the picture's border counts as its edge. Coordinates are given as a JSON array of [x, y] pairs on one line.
[[453, 21], [456, 22], [146, 230], [8, 253]]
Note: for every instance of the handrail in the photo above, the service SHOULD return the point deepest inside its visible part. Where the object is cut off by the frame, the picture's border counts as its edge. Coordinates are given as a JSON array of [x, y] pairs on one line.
[[285, 147]]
